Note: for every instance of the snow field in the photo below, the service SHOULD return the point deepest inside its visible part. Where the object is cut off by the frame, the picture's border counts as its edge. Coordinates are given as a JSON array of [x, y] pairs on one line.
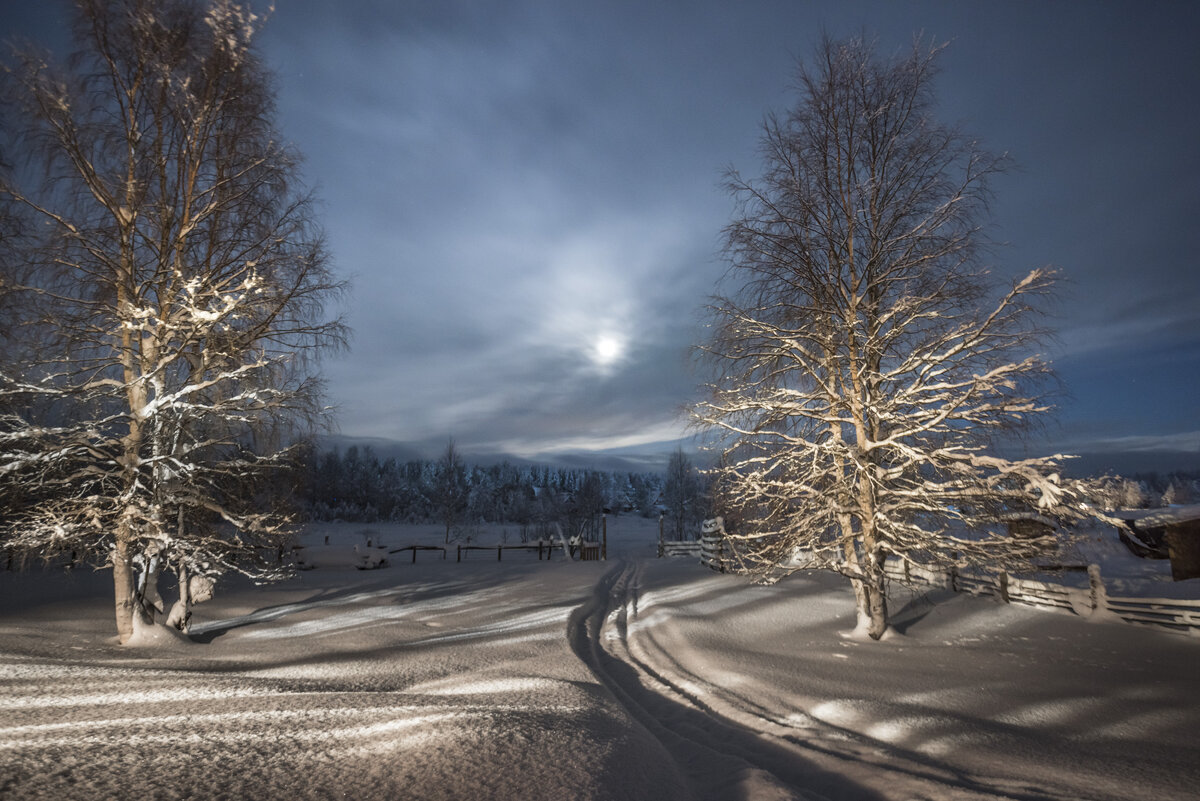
[[434, 680], [635, 678]]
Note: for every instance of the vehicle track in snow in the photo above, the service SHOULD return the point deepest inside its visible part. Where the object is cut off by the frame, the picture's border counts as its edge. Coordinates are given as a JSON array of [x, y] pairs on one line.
[[733, 747]]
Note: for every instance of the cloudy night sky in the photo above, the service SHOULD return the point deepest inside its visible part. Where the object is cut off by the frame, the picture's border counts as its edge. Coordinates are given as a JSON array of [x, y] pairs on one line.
[[527, 198]]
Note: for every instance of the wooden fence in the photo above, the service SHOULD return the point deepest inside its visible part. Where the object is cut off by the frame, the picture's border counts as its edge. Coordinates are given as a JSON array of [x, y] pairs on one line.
[[710, 550], [712, 553], [541, 546], [673, 548], [1181, 615], [710, 547], [415, 548], [1093, 600]]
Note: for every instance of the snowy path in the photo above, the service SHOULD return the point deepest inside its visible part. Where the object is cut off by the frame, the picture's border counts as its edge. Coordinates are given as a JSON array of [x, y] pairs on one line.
[[756, 695], [632, 679]]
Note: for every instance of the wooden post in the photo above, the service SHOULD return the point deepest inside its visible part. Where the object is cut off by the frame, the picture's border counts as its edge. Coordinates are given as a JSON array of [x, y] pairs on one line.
[[499, 551], [1004, 586], [604, 537], [459, 559], [660, 536], [414, 561], [1099, 597]]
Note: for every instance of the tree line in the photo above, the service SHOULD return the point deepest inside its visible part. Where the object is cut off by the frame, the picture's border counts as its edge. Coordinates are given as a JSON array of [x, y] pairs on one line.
[[357, 485]]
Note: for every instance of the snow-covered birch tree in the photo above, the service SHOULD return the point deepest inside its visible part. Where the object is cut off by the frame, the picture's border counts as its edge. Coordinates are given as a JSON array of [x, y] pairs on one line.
[[864, 362], [173, 285]]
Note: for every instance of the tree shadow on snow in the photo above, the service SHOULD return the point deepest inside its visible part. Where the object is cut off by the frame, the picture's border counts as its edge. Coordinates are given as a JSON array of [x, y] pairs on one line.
[[206, 633], [917, 608]]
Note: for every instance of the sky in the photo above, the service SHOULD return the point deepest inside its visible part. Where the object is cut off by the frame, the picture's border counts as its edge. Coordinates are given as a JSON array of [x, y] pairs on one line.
[[527, 198]]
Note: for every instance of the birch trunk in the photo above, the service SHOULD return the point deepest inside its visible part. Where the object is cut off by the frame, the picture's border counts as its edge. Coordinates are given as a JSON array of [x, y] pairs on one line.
[[182, 610], [123, 584]]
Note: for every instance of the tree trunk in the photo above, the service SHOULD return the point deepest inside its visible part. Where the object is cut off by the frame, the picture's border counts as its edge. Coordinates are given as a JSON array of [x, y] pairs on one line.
[[870, 605], [148, 598], [181, 611], [123, 589], [877, 611]]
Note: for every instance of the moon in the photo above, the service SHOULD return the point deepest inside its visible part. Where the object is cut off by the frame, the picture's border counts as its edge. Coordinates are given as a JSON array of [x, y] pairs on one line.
[[606, 350]]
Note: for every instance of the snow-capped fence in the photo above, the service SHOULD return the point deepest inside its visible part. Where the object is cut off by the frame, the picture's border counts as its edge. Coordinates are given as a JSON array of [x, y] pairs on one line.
[[712, 553], [1093, 600], [710, 547], [710, 550], [679, 548]]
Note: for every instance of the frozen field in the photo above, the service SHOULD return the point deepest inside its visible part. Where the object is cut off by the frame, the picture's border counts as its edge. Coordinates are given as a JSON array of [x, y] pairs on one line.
[[631, 678]]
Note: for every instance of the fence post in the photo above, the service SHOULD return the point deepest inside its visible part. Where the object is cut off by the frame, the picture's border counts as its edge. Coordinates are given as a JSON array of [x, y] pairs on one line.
[[1099, 595], [660, 536], [604, 537], [459, 558], [1004, 586]]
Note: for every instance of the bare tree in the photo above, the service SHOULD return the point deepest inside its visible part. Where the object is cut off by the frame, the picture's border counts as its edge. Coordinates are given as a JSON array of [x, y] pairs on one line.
[[682, 496], [450, 489], [865, 362], [175, 302]]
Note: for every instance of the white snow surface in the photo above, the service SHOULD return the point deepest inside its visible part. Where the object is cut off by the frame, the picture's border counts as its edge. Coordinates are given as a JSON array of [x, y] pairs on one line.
[[635, 678]]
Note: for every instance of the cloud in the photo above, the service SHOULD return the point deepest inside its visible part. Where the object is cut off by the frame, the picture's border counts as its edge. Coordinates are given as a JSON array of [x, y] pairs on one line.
[[528, 193]]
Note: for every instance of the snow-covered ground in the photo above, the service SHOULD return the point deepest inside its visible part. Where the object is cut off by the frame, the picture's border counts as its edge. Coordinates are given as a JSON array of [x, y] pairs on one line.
[[631, 678]]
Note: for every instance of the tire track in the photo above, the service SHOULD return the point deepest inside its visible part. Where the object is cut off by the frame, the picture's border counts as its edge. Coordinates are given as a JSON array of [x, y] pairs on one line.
[[732, 747], [723, 761]]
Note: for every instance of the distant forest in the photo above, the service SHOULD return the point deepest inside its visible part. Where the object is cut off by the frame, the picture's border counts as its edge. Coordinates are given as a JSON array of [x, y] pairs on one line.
[[355, 485]]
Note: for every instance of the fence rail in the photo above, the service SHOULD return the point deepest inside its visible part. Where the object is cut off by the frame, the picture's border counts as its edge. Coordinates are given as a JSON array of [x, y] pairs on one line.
[[672, 548], [1173, 613], [415, 548], [712, 553], [541, 546], [1092, 600], [710, 550]]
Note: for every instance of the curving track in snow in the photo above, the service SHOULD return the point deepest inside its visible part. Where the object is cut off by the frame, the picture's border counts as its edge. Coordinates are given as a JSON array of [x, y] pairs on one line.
[[755, 695]]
